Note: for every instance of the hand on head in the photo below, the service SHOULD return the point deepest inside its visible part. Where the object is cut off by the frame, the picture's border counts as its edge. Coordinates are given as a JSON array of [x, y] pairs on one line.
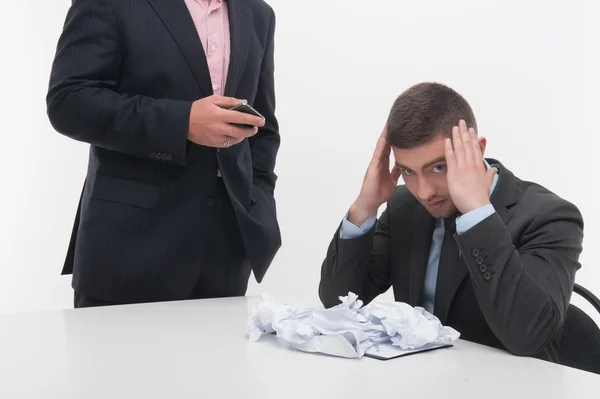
[[379, 183], [468, 180]]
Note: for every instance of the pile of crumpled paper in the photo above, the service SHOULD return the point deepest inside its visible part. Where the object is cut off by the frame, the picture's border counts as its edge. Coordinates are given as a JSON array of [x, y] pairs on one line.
[[348, 329]]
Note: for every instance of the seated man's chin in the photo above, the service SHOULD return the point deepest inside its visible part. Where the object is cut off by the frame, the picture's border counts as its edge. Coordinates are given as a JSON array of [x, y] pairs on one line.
[[439, 210]]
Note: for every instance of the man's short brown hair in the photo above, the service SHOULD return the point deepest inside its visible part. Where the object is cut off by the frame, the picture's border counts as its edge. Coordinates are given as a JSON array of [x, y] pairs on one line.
[[424, 111]]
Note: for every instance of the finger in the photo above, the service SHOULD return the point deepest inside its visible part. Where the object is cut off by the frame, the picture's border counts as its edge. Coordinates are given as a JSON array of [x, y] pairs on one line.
[[477, 155], [466, 141], [242, 118], [457, 145], [387, 150], [227, 141], [384, 132], [385, 155], [450, 157], [239, 132], [382, 151], [396, 173], [227, 102], [491, 172]]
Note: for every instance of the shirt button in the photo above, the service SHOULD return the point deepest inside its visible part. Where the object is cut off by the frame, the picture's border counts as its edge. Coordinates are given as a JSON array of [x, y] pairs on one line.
[[214, 87]]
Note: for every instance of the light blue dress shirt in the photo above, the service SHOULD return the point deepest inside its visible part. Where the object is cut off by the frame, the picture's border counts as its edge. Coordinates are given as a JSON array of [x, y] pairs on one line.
[[463, 223]]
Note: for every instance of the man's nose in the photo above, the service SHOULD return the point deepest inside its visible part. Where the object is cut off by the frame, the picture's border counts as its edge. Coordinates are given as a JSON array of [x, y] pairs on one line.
[[426, 191]]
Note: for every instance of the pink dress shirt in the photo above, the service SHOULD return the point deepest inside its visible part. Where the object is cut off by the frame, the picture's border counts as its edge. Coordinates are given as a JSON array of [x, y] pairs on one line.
[[212, 23]]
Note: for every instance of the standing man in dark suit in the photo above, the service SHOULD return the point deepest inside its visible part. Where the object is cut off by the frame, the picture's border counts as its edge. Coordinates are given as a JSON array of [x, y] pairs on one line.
[[489, 254], [178, 202]]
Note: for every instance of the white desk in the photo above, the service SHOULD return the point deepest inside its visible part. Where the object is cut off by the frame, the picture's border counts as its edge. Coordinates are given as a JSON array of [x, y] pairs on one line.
[[197, 349]]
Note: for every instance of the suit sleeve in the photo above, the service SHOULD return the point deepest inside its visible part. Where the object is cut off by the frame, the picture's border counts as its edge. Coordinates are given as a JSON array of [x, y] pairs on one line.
[[360, 265], [83, 100], [524, 291], [265, 144]]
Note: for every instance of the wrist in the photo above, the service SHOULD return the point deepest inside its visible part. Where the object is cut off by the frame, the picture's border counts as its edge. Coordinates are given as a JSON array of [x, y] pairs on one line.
[[475, 205], [360, 213], [191, 111]]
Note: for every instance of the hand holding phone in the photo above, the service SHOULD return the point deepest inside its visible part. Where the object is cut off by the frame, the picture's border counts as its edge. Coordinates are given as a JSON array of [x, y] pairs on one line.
[[246, 109], [213, 124]]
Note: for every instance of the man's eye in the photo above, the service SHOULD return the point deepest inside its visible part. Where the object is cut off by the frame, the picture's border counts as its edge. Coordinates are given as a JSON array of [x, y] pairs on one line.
[[438, 168], [408, 172]]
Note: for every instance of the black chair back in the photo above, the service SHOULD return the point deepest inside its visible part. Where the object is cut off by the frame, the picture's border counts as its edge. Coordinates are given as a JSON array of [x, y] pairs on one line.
[[587, 294], [580, 339]]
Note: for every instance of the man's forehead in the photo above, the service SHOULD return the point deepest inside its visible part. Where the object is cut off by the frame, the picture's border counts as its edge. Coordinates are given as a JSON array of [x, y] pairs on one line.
[[421, 156], [423, 163]]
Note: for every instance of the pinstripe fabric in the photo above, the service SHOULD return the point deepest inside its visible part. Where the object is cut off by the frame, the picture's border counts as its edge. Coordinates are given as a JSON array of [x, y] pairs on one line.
[[123, 80]]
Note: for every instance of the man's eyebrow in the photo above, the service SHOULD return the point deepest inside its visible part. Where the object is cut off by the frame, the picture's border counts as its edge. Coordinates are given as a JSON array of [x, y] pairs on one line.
[[428, 164]]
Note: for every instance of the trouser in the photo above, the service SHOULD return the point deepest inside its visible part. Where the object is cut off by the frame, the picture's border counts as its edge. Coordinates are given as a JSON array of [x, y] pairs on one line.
[[224, 270]]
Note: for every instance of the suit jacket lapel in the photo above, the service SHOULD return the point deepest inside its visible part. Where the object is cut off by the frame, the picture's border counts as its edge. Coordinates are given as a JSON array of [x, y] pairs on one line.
[[239, 32], [422, 225], [178, 21], [505, 195]]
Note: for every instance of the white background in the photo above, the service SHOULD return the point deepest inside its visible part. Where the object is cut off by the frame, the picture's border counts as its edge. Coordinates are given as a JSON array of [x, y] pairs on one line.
[[528, 68]]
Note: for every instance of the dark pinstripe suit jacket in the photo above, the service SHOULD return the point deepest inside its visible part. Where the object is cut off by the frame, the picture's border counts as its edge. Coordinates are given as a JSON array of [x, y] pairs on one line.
[[124, 77]]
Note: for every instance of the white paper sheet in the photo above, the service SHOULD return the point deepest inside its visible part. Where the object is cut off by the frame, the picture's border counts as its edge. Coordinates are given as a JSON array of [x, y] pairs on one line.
[[390, 351], [349, 329]]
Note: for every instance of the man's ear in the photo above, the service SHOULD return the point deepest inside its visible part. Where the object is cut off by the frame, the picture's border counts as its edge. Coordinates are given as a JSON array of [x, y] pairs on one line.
[[482, 144]]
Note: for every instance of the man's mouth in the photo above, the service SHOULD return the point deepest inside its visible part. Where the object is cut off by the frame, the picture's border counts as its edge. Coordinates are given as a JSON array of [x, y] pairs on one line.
[[435, 204]]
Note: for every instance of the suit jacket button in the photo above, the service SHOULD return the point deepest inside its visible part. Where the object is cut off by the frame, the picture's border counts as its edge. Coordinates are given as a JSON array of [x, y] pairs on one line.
[[152, 155], [475, 252], [479, 260], [487, 276], [483, 268], [169, 157], [210, 202]]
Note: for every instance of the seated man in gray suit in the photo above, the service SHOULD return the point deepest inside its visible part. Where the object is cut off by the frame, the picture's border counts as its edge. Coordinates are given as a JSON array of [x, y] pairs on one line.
[[489, 254]]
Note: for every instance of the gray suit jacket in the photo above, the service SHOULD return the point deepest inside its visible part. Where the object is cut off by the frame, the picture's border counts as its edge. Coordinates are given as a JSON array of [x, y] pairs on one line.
[[509, 289]]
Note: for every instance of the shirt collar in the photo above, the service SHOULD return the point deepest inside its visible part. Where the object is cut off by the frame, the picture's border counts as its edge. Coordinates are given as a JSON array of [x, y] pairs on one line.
[[495, 182]]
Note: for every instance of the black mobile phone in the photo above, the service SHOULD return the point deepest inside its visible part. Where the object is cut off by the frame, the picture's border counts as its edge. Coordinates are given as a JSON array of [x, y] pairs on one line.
[[247, 109]]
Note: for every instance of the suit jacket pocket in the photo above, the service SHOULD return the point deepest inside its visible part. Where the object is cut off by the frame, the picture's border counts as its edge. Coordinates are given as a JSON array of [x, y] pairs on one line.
[[125, 191]]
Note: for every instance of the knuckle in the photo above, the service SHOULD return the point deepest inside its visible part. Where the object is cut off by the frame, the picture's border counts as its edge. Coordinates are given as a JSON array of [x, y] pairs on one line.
[[240, 133], [219, 113]]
